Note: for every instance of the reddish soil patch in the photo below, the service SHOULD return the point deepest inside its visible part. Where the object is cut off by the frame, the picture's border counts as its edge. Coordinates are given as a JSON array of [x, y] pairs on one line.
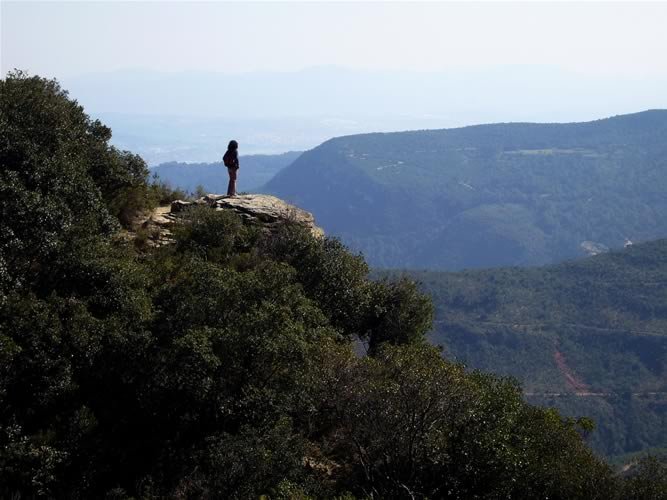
[[572, 380]]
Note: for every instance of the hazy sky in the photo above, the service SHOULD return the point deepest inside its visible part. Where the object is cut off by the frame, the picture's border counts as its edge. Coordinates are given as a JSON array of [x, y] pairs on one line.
[[60, 40]]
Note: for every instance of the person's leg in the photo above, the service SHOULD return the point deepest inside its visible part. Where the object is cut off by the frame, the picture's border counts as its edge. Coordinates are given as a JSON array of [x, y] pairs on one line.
[[231, 187]]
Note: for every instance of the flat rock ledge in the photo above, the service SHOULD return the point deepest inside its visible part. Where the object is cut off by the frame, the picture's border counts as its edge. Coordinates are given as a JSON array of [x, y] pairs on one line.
[[256, 209]]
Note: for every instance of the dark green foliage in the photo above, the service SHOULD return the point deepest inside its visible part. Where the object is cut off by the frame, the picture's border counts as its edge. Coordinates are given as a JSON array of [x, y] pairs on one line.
[[603, 317], [329, 274], [373, 311], [163, 193], [246, 464], [647, 480], [399, 314], [59, 180], [213, 235], [408, 424], [224, 365], [488, 195]]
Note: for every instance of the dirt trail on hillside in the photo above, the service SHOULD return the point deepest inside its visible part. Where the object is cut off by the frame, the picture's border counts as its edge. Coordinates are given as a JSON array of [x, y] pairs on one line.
[[573, 381], [536, 328]]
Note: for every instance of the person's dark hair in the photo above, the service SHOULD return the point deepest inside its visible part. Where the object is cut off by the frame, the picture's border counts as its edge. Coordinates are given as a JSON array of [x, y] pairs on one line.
[[233, 145]]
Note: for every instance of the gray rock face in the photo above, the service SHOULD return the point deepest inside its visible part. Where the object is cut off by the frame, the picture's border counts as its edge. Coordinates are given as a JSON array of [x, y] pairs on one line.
[[593, 248], [266, 211]]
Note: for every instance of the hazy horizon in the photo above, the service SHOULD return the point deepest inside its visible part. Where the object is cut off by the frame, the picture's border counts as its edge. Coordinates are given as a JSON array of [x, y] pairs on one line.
[[589, 37], [177, 78]]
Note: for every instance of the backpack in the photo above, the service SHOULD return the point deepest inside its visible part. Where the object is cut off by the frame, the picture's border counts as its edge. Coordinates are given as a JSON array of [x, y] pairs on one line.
[[227, 159]]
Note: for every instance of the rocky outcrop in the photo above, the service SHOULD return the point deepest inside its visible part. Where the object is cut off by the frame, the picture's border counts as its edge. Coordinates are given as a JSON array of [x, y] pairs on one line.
[[266, 211], [593, 248], [155, 229]]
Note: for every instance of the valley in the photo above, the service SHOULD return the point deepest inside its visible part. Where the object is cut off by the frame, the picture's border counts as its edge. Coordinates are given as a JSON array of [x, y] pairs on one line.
[[587, 336]]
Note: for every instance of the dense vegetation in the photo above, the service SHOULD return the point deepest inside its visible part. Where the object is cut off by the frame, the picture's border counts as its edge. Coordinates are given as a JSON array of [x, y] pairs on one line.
[[489, 195], [256, 171], [224, 365], [596, 326]]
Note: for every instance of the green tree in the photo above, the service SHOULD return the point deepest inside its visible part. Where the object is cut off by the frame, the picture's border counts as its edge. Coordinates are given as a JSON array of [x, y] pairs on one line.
[[648, 480], [398, 314], [59, 179], [407, 424]]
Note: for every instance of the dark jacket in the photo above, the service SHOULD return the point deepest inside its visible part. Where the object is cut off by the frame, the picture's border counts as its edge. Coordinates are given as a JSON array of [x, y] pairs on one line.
[[231, 158]]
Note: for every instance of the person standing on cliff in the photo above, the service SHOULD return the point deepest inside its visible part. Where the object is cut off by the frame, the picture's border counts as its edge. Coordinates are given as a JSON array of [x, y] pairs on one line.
[[231, 161]]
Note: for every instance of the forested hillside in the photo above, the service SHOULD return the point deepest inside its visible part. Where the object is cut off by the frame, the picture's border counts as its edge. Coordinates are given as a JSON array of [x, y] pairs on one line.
[[256, 171], [223, 365], [588, 336], [488, 195]]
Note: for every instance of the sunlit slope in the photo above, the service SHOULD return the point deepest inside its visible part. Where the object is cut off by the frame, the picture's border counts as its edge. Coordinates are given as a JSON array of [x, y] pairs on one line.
[[589, 336], [488, 195]]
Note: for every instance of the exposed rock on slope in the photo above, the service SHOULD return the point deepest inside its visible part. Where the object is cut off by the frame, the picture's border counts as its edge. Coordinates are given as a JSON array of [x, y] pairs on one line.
[[592, 248], [258, 209]]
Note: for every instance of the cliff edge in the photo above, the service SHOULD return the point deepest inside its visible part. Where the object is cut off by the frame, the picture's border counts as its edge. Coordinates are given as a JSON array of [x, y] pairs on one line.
[[255, 209]]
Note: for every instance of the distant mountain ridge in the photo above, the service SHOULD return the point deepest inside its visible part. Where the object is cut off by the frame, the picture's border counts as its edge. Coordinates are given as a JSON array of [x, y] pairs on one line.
[[487, 195], [189, 115]]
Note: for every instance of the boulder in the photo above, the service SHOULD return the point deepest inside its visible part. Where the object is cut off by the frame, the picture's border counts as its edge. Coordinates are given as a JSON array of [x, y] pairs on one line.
[[264, 210], [593, 248], [180, 206]]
